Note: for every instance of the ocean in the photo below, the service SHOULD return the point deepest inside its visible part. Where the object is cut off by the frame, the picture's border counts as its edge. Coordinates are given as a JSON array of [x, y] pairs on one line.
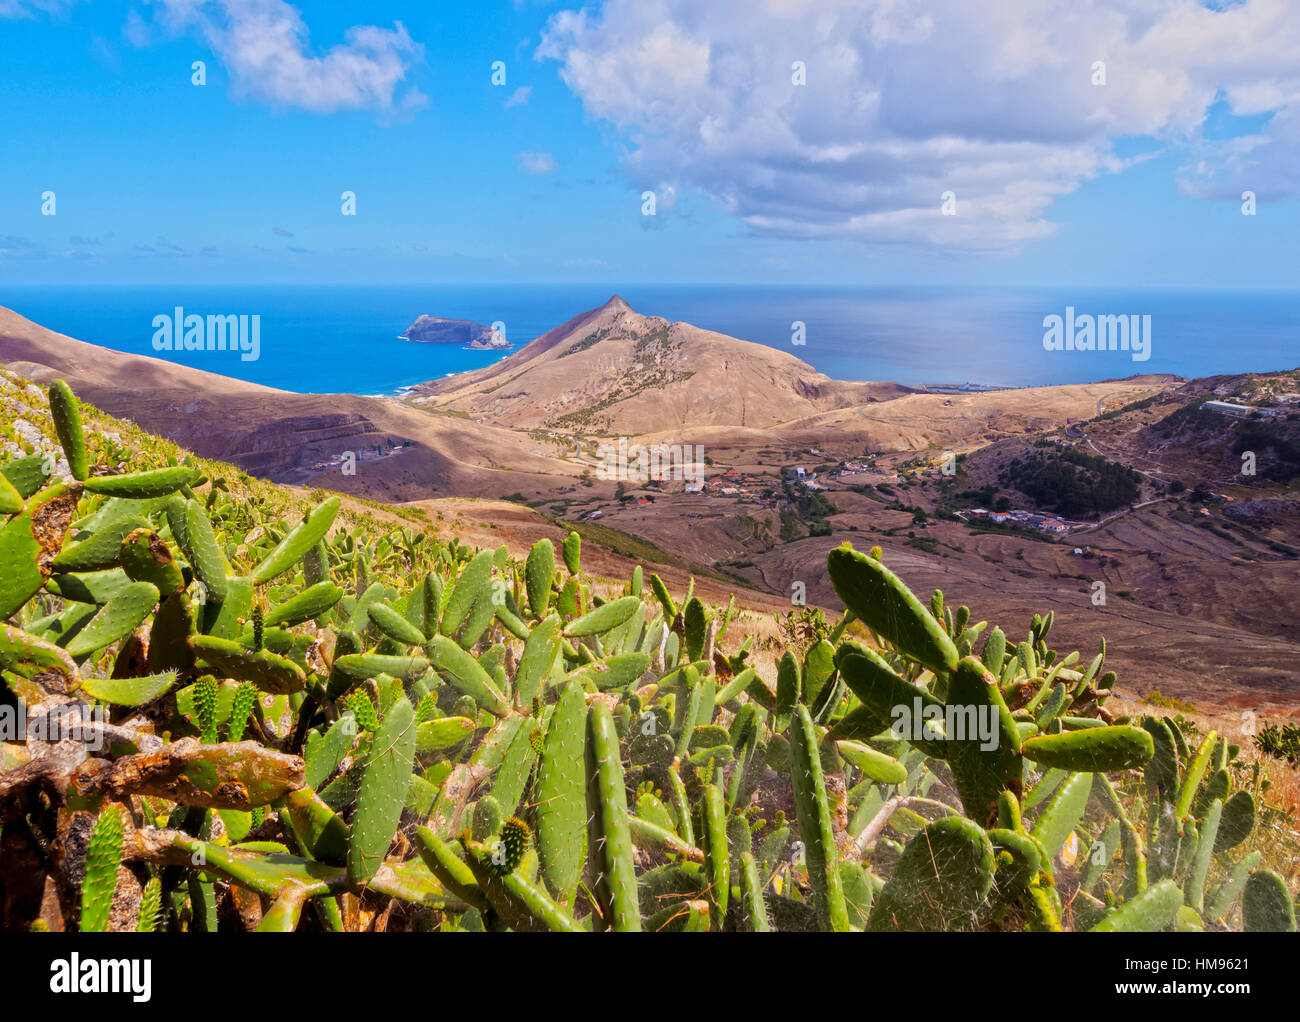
[[343, 339]]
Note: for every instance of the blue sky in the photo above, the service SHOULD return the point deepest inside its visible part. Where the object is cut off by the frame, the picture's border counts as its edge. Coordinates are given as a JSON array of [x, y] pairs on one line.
[[1057, 179]]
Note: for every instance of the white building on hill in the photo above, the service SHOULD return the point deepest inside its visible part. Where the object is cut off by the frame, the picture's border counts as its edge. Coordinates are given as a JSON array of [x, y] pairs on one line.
[[1238, 411]]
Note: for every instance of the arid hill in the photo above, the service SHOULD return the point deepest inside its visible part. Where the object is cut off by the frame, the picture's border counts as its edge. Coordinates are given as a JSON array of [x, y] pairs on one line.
[[434, 444], [615, 371], [457, 437], [401, 453], [1197, 601]]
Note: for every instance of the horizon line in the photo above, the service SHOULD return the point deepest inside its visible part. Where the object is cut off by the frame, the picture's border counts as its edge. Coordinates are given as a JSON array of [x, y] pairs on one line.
[[1288, 289]]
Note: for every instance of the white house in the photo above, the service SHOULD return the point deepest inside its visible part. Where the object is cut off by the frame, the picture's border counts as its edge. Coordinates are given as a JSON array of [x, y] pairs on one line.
[[1238, 411]]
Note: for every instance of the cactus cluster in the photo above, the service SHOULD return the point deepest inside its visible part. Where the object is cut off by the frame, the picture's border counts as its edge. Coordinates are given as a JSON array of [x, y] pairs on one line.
[[297, 724]]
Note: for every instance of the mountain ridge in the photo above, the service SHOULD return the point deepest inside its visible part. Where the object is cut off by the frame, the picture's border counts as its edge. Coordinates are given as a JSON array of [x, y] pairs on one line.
[[424, 445], [614, 370], [409, 451]]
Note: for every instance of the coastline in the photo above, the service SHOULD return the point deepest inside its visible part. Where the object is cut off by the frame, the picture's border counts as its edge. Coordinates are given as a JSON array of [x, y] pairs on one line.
[[347, 338]]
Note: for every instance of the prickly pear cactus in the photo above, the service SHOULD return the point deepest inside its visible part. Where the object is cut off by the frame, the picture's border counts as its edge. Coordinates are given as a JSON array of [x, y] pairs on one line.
[[320, 716], [103, 856]]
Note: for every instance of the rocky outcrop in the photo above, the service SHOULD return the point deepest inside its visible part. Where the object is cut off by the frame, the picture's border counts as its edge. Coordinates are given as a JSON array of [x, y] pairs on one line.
[[465, 332]]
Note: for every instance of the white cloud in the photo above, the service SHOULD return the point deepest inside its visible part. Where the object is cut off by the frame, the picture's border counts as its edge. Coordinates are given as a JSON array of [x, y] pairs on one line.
[[536, 163], [907, 99], [264, 46], [520, 96]]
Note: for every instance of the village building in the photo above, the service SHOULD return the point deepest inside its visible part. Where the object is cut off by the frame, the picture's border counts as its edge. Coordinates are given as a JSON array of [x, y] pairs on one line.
[[1239, 411]]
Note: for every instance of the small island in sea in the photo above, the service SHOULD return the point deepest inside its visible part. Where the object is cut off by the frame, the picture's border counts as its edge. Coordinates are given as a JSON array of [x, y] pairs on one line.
[[465, 332]]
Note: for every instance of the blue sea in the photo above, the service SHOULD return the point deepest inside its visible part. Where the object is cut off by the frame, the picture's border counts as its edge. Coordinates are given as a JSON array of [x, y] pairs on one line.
[[332, 339]]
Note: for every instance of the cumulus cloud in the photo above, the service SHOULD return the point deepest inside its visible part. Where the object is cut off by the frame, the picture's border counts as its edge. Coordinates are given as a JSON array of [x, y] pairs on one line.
[[520, 96], [536, 163], [1266, 164], [904, 100], [264, 46]]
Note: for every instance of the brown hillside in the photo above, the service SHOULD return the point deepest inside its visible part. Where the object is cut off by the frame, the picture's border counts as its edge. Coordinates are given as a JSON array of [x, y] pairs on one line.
[[612, 370], [403, 453], [1197, 601]]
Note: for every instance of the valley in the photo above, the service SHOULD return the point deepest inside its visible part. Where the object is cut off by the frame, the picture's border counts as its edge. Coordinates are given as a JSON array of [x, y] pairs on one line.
[[1186, 566]]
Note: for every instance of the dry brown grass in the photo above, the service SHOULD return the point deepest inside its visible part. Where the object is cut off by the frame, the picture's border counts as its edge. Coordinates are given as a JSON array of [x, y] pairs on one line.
[[1279, 842]]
